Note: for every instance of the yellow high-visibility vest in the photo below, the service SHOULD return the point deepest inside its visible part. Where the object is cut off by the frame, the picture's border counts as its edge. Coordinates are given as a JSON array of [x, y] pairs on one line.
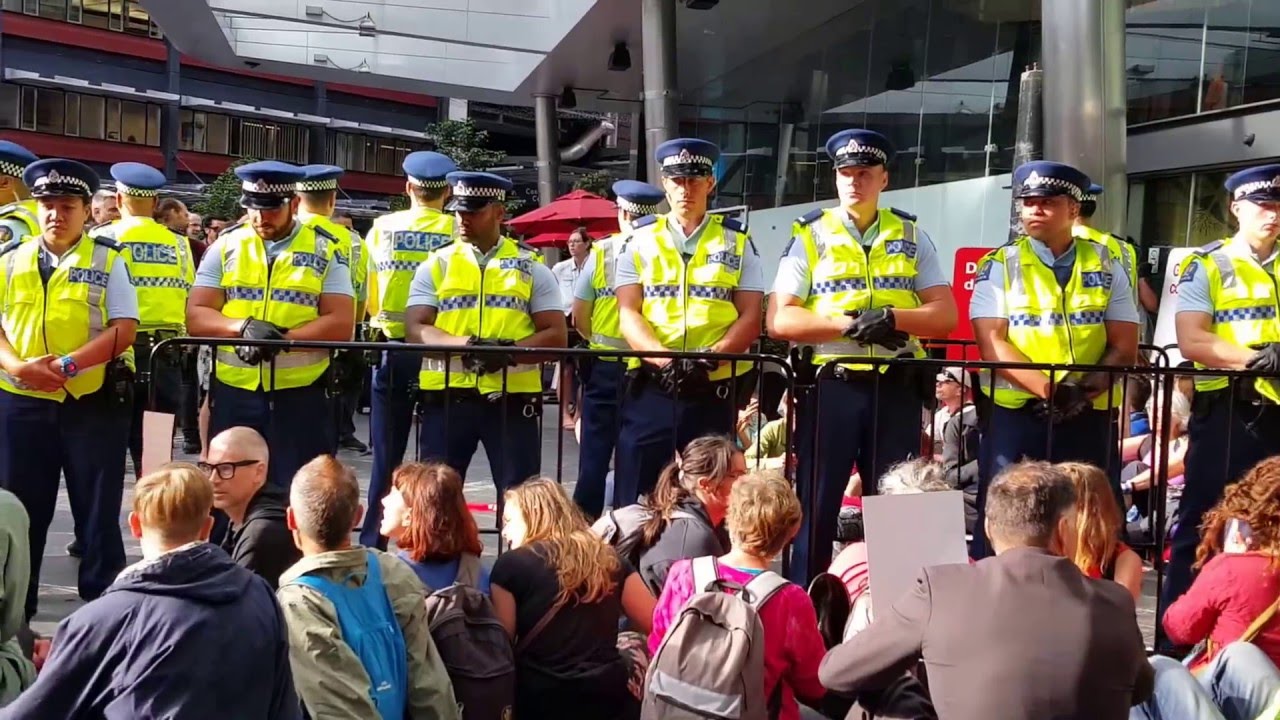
[[845, 276], [490, 302], [397, 244], [605, 331], [349, 250], [23, 216], [286, 294], [58, 317], [1052, 324], [1120, 251], [161, 267]]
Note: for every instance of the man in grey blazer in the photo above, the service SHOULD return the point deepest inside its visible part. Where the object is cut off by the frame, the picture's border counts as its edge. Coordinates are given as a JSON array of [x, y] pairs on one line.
[[1023, 635]]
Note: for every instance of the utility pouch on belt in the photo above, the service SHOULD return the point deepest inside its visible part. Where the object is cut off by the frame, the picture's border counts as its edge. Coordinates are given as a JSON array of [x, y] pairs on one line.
[[118, 380]]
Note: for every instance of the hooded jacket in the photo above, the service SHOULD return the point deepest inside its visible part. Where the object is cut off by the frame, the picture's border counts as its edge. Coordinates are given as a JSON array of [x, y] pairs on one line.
[[187, 636], [263, 543]]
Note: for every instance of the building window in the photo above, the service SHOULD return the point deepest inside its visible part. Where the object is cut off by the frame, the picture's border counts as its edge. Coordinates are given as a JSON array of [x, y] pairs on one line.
[[93, 117], [50, 110], [361, 153], [218, 134], [28, 110], [128, 16], [113, 120], [73, 115], [10, 99], [76, 115]]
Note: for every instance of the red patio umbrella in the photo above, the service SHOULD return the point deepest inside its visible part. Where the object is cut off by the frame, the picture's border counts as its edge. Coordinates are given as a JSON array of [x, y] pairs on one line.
[[552, 223]]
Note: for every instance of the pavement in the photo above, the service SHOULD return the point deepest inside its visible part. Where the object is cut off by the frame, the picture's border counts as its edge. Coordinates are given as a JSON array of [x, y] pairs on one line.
[[560, 461]]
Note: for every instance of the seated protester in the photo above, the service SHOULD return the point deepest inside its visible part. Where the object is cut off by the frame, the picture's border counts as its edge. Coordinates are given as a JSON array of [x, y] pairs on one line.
[[184, 633], [1241, 684], [1023, 635], [1138, 485], [16, 669], [258, 538], [769, 447], [1099, 553], [1237, 559], [850, 564], [1137, 394], [561, 591], [335, 680], [687, 505], [426, 515], [764, 515], [960, 439]]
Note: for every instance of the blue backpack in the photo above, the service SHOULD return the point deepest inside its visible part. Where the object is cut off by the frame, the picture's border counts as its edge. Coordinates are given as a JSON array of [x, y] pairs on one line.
[[369, 625]]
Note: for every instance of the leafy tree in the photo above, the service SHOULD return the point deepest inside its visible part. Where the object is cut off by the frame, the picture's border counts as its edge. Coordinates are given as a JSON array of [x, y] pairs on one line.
[[398, 202], [597, 181], [466, 144], [222, 196]]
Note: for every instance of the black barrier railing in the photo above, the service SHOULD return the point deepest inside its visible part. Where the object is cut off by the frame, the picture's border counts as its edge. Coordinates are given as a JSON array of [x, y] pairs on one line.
[[886, 388]]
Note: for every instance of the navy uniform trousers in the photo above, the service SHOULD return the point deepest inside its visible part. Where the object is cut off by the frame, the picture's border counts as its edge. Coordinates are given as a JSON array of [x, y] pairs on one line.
[[655, 425], [1011, 435], [166, 375], [394, 395], [602, 386], [842, 424], [452, 425], [1225, 438], [298, 423], [83, 440]]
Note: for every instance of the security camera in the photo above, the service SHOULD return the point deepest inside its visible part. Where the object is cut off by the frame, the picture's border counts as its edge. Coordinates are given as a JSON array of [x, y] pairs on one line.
[[1248, 139]]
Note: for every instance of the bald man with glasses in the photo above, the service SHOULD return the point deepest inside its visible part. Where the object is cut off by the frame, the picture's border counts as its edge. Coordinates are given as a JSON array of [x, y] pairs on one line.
[[258, 538]]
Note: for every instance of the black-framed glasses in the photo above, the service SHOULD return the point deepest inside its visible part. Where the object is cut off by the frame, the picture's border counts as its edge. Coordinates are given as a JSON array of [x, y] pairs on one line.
[[225, 470]]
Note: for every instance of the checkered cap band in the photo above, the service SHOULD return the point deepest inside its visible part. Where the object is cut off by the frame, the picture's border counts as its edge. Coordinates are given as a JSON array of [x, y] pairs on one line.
[[56, 178], [1253, 187], [317, 185], [1089, 197], [262, 187], [12, 169], [1036, 180], [853, 147], [136, 192], [431, 183], [636, 208], [464, 190], [684, 157]]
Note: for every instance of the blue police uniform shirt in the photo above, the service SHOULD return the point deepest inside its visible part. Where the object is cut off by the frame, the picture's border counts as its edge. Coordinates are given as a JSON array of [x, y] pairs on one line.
[[121, 296], [337, 277], [795, 277], [988, 289], [546, 291], [751, 279], [1193, 285]]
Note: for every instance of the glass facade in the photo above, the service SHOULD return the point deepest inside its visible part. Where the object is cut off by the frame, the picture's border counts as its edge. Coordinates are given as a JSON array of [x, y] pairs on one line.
[[57, 112], [939, 78], [1187, 210], [127, 16]]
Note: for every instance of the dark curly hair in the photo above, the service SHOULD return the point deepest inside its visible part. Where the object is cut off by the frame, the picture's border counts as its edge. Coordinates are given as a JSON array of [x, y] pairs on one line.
[[1255, 499]]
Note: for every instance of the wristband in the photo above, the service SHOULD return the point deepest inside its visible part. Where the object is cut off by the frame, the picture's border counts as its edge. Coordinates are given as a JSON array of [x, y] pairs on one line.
[[67, 366]]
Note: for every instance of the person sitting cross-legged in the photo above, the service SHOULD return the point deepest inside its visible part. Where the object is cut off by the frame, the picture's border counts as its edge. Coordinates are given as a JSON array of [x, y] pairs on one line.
[[1240, 684]]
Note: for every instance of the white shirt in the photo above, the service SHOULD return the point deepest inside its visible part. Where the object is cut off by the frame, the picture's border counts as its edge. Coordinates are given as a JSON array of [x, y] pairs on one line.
[[567, 272]]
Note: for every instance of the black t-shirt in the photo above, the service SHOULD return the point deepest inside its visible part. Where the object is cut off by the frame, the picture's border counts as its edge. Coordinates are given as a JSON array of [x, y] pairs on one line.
[[575, 658]]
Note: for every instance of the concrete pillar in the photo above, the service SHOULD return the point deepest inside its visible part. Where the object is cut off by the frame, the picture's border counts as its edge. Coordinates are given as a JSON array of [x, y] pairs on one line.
[[317, 135], [661, 98], [547, 132], [1084, 96], [171, 115]]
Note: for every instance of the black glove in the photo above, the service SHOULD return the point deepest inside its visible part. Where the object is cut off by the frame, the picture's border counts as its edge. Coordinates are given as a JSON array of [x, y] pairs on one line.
[[486, 363], [1069, 399], [686, 375], [875, 327], [253, 329], [1266, 360]]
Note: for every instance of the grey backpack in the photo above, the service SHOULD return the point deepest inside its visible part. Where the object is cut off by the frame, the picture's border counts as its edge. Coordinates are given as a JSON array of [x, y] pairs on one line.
[[711, 663], [623, 529], [474, 646]]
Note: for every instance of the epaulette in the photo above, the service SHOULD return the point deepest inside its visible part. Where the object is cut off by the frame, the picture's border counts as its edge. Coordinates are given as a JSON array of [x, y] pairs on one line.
[[325, 233], [903, 214], [810, 217], [231, 229], [101, 231], [528, 248], [733, 225], [108, 242], [10, 246], [644, 221], [1205, 250]]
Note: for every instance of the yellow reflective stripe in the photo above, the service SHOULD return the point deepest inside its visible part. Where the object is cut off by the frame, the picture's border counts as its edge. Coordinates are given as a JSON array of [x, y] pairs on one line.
[[610, 342]]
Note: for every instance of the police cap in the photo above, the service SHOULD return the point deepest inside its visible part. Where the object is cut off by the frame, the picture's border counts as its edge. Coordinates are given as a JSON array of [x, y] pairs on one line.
[[472, 191], [849, 148], [268, 184], [137, 179], [428, 169], [14, 158], [56, 177], [1260, 184], [318, 178], [1043, 178], [638, 198], [687, 157]]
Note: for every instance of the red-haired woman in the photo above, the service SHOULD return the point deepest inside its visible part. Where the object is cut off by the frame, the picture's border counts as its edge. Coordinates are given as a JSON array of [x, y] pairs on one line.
[[426, 515]]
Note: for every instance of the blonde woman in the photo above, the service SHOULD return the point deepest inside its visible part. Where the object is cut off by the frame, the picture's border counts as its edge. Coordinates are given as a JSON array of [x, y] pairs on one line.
[[1099, 553], [560, 592]]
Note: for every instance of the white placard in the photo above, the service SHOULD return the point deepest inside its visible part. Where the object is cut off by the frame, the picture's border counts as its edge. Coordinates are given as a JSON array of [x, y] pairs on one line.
[[1166, 335], [157, 440], [908, 532]]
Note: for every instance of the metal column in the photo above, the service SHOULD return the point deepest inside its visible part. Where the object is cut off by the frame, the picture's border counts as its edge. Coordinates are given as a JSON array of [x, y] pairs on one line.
[[316, 136], [171, 124], [1084, 96], [547, 130], [661, 99]]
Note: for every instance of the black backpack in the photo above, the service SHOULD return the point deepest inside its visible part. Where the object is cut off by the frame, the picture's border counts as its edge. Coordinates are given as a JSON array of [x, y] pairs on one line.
[[623, 529], [474, 646]]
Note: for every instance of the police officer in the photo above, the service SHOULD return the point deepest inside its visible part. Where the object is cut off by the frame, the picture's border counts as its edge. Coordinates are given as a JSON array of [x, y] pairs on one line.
[[1049, 297], [19, 216], [490, 291], [687, 281], [1121, 251], [318, 199], [273, 278], [1227, 318], [162, 270], [595, 313], [857, 280], [398, 243], [67, 313]]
